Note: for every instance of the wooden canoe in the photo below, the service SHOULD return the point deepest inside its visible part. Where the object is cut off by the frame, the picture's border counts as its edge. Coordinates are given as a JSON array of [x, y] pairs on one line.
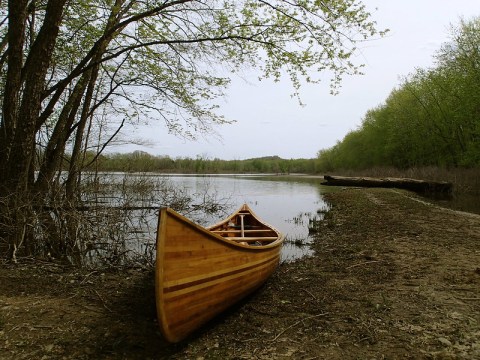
[[200, 271]]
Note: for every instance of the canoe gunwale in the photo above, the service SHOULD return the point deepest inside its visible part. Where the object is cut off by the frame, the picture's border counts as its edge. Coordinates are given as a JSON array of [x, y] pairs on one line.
[[234, 243]]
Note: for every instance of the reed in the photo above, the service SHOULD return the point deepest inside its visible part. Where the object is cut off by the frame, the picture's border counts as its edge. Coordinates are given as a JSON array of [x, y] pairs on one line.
[[111, 224]]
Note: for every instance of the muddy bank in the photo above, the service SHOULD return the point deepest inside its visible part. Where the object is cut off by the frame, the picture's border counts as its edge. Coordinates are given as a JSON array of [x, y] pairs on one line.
[[392, 277]]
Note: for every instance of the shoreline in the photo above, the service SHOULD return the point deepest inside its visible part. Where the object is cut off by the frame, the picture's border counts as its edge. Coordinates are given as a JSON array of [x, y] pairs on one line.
[[392, 276]]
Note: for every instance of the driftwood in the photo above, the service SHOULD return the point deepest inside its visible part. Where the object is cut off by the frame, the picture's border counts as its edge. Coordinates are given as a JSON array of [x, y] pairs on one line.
[[421, 186]]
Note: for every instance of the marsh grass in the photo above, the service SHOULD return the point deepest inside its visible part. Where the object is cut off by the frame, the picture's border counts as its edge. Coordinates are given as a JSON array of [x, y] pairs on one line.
[[113, 222], [128, 227], [312, 221], [297, 241]]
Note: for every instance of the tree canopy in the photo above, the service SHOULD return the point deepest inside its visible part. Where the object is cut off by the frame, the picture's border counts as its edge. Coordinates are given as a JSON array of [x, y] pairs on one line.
[[431, 119], [73, 73]]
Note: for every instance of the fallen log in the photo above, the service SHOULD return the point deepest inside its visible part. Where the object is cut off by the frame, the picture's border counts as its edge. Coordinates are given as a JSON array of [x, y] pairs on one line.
[[421, 186]]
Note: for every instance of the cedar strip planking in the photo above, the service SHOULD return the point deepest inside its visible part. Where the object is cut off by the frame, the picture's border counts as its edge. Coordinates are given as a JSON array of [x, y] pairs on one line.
[[199, 273]]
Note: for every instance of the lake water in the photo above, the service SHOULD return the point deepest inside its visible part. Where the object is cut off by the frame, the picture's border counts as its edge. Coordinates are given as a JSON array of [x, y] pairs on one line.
[[287, 203]]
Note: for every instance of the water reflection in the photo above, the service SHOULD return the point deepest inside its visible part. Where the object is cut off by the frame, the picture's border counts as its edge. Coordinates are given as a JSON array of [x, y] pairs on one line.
[[461, 202], [288, 204]]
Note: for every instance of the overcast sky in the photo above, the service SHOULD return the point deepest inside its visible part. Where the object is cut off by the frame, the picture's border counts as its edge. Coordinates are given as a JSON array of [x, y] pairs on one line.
[[270, 122]]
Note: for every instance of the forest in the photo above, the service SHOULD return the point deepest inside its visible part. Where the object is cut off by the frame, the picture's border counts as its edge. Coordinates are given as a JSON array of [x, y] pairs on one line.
[[432, 119], [140, 161]]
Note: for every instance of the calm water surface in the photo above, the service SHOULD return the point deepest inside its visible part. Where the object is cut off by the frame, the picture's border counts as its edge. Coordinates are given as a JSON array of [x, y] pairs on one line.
[[290, 203], [286, 203]]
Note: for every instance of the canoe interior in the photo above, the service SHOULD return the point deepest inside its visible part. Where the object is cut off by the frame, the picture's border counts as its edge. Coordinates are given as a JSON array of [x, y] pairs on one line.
[[245, 226], [200, 273]]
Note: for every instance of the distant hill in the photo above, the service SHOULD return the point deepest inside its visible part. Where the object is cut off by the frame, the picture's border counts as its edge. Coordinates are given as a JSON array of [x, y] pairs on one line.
[[266, 158]]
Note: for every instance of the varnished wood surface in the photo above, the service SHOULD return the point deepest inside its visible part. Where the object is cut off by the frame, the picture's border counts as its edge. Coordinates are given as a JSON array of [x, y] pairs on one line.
[[200, 273]]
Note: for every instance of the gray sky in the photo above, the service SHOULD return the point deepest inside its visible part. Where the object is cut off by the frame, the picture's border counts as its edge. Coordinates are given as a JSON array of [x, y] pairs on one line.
[[270, 122]]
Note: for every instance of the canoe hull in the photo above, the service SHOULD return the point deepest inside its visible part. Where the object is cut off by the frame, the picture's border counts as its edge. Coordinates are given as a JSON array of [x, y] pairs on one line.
[[200, 274]]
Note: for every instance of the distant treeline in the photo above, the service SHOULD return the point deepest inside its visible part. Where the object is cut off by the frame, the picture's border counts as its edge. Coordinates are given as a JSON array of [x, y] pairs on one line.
[[432, 119], [140, 161]]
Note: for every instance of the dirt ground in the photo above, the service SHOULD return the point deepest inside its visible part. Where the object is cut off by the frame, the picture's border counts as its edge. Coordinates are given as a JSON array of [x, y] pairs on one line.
[[392, 278]]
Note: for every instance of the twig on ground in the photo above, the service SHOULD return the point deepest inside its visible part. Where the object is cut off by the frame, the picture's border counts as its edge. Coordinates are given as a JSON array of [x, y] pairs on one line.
[[87, 276], [309, 293], [103, 301], [469, 298], [295, 324]]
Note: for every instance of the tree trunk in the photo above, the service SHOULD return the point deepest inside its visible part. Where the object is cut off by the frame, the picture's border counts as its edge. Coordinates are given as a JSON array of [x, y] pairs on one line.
[[11, 97], [22, 105]]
